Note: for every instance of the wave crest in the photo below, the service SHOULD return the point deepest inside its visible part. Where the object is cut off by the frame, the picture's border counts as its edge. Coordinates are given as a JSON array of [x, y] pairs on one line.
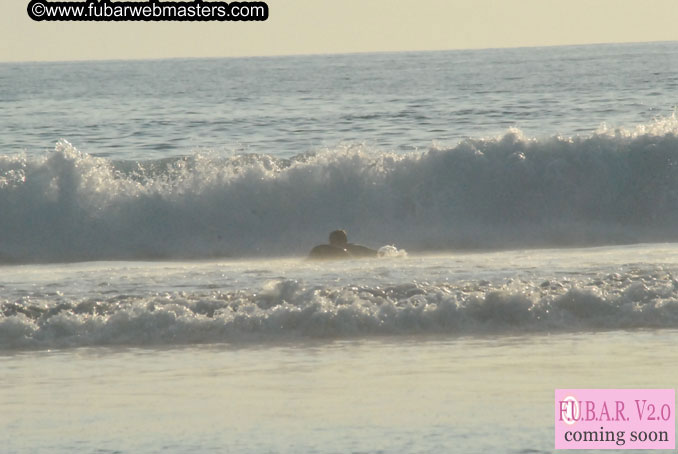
[[290, 310], [511, 191]]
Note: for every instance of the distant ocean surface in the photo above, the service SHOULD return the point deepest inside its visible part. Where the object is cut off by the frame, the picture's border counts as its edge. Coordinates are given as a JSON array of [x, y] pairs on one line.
[[288, 106], [155, 217]]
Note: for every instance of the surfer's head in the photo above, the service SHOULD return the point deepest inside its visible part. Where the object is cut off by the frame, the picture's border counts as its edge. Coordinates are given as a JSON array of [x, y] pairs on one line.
[[338, 238]]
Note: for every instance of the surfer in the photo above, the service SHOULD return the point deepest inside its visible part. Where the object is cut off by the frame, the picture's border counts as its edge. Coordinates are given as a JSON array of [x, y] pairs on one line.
[[340, 248]]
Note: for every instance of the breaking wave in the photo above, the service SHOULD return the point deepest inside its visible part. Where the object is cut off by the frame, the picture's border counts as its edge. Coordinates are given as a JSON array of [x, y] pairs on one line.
[[289, 310], [611, 187]]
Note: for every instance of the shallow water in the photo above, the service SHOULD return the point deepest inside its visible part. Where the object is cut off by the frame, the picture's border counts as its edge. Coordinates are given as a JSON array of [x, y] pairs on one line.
[[456, 353], [150, 304], [399, 395]]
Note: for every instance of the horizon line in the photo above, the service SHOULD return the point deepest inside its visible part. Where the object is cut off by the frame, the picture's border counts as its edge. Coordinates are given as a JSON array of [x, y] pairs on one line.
[[321, 54]]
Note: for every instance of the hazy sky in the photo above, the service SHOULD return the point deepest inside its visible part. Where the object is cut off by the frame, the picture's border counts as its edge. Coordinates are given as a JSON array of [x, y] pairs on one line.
[[331, 26]]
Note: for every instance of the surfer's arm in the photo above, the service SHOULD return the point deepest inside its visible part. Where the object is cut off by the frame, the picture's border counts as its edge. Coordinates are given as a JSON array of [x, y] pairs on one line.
[[356, 250], [326, 251]]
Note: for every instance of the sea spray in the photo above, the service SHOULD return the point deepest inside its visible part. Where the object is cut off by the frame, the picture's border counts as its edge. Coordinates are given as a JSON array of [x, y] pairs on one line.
[[607, 188], [281, 310]]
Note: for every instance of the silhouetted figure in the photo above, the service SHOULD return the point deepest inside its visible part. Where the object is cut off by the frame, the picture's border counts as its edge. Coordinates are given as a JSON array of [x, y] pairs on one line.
[[340, 248]]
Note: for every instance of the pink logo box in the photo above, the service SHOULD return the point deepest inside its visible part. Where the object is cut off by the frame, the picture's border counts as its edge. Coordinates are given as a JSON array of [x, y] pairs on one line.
[[615, 419]]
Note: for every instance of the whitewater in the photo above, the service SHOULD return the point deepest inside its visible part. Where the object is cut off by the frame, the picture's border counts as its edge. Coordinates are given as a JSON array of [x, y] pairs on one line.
[[156, 217], [613, 187], [242, 303]]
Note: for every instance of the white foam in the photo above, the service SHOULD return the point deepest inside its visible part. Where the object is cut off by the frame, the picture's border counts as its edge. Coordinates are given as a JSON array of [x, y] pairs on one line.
[[483, 193], [289, 309]]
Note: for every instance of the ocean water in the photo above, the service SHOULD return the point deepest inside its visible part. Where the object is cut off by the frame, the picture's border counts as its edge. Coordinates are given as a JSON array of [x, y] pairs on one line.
[[155, 217]]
